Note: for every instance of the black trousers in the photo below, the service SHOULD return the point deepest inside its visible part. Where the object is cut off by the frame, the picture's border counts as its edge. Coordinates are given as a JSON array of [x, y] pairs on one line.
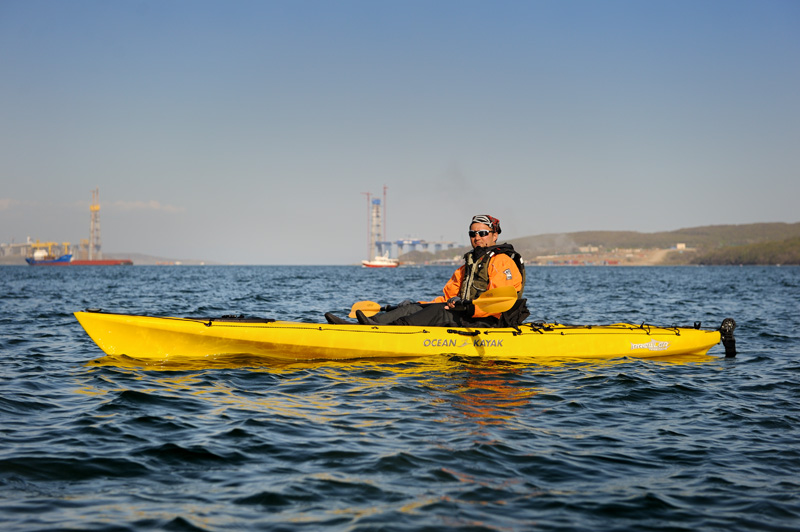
[[432, 315]]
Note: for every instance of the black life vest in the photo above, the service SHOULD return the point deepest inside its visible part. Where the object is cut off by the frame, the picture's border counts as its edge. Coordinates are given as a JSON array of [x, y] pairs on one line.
[[476, 271]]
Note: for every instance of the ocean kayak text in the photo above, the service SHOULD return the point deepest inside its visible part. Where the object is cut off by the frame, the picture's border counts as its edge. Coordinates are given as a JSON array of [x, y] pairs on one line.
[[452, 342]]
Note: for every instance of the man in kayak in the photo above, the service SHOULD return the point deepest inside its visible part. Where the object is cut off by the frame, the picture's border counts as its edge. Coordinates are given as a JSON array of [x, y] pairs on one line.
[[487, 266]]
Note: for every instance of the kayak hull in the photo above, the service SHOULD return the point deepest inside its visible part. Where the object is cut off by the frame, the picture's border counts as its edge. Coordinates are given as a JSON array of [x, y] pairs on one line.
[[172, 339]]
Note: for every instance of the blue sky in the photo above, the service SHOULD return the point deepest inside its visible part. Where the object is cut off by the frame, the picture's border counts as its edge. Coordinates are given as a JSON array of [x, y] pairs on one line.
[[248, 131]]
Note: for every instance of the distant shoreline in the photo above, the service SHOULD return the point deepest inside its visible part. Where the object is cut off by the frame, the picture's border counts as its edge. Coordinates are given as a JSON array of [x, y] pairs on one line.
[[749, 244]]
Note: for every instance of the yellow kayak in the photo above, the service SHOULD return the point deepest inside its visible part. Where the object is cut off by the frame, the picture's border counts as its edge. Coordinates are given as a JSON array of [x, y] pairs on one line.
[[161, 339]]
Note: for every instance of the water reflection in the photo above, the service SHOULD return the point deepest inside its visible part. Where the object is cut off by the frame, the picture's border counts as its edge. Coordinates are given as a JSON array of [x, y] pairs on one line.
[[485, 392], [490, 392], [433, 362]]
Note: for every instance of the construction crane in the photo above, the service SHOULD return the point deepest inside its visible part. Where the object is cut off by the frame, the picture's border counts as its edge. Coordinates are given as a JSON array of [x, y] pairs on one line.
[[49, 254]]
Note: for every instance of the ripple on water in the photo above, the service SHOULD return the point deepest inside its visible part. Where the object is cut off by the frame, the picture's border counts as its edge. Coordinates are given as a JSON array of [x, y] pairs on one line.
[[430, 444]]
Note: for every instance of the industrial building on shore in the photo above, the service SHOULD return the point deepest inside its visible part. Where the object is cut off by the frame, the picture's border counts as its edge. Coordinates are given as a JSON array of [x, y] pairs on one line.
[[85, 252]]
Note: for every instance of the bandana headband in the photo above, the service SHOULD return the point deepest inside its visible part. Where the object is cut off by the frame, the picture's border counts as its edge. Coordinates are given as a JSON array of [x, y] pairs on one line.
[[485, 219]]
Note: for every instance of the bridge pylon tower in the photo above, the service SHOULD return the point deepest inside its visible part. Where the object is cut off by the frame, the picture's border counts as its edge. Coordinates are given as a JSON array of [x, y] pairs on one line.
[[95, 247]]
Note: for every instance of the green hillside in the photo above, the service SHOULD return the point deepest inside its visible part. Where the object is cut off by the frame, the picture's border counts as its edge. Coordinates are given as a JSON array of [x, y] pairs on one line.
[[714, 244], [701, 238], [780, 252]]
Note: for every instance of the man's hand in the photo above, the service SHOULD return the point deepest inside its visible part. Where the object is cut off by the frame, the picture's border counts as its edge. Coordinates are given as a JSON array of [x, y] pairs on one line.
[[456, 304], [453, 302]]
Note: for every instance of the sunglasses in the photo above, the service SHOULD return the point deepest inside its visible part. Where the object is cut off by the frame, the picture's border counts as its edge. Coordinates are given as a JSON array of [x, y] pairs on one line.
[[482, 232]]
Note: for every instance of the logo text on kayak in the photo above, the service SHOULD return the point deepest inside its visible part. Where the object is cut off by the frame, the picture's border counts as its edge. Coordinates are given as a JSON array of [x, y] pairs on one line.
[[652, 345], [451, 342]]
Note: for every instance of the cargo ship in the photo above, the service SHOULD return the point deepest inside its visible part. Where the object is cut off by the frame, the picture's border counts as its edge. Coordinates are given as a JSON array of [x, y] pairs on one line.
[[43, 259], [44, 254], [102, 262], [67, 260]]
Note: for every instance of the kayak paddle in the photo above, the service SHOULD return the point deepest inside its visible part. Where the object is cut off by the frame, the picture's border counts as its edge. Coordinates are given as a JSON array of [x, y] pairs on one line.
[[369, 308], [496, 300], [492, 301]]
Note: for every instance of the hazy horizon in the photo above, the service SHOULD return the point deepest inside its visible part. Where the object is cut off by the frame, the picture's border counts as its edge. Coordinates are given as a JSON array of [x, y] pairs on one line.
[[248, 132]]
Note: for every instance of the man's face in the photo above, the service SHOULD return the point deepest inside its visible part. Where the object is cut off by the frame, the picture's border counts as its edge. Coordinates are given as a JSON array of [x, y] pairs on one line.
[[479, 241]]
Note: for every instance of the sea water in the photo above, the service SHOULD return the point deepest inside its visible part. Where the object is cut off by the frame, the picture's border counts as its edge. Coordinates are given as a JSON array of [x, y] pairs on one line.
[[436, 443]]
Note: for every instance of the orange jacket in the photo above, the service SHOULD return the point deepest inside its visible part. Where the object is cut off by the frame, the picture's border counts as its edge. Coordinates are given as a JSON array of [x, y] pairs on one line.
[[502, 272]]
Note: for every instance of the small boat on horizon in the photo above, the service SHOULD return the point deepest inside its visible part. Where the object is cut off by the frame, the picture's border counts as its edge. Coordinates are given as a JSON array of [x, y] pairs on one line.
[[381, 262]]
